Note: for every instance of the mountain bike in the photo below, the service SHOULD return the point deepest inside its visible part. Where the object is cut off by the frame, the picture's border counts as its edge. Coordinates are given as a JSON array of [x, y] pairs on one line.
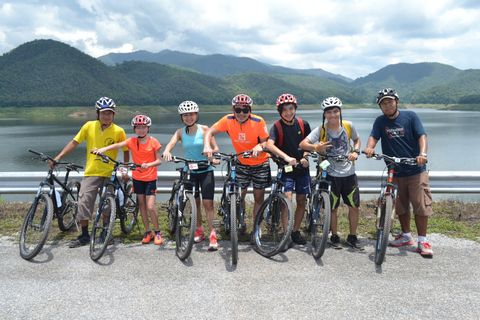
[[231, 205], [182, 209], [318, 204], [117, 200], [385, 208], [274, 221], [49, 203]]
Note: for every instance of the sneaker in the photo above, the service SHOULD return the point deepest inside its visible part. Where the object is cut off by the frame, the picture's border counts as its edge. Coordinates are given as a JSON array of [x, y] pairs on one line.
[[297, 238], [287, 245], [199, 236], [425, 249], [242, 230], [80, 241], [335, 242], [213, 246], [401, 240], [353, 241], [147, 237], [157, 238]]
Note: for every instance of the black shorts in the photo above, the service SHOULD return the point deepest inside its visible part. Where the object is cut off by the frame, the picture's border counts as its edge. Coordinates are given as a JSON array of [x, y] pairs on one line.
[[259, 175], [347, 188], [205, 181], [148, 188]]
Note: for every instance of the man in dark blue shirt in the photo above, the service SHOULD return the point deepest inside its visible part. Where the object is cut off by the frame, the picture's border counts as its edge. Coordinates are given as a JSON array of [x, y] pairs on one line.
[[402, 135]]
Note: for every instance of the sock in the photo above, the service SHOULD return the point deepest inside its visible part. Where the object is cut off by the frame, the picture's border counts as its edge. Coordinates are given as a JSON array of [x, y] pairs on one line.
[[156, 232], [213, 233], [200, 229], [85, 231], [422, 239], [409, 234]]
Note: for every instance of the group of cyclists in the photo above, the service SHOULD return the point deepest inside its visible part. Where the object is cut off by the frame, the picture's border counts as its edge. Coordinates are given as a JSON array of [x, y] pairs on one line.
[[291, 138]]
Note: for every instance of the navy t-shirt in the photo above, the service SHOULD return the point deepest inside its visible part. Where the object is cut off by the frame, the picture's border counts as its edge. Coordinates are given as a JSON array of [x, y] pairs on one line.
[[399, 138]]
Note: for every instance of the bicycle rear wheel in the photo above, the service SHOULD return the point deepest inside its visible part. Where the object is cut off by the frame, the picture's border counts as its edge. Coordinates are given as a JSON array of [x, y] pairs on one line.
[[128, 217], [186, 226], [234, 227], [269, 231], [383, 229], [101, 234], [172, 208], [66, 219], [309, 211], [36, 227], [320, 223]]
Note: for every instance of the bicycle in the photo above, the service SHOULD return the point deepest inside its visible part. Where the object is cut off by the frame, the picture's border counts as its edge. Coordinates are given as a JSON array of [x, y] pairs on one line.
[[274, 221], [318, 204], [231, 204], [49, 204], [386, 203], [182, 209], [113, 192]]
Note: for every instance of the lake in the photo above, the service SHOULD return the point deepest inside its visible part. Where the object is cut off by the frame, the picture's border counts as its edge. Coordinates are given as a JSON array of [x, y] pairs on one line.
[[452, 136]]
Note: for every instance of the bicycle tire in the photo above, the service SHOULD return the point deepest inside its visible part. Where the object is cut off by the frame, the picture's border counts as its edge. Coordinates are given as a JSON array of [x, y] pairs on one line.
[[186, 227], [67, 217], [129, 213], [234, 228], [384, 229], [36, 227], [320, 223], [269, 233], [223, 212], [172, 208], [101, 234], [308, 212]]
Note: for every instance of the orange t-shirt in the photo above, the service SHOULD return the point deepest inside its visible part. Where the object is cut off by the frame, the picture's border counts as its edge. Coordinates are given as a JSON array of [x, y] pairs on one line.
[[245, 136], [144, 153]]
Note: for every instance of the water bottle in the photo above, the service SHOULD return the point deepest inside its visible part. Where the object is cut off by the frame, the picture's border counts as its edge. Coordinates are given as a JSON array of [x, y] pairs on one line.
[[120, 197], [59, 200]]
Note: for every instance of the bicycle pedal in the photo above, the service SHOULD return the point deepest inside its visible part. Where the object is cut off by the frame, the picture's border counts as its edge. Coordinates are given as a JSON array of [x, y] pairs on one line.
[[164, 205], [396, 232], [371, 205], [217, 223]]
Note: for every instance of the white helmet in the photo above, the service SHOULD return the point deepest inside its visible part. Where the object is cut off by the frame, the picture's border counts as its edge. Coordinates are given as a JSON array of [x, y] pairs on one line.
[[331, 102], [187, 107]]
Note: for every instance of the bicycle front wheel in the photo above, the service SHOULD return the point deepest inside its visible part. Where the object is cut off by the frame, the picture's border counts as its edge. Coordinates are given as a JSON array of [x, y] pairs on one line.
[[102, 232], [383, 229], [309, 211], [234, 227], [186, 227], [36, 227], [320, 223], [70, 205], [273, 225], [172, 209], [128, 217]]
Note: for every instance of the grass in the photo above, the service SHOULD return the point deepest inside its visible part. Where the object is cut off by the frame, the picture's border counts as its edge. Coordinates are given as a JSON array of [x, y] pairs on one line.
[[452, 218]]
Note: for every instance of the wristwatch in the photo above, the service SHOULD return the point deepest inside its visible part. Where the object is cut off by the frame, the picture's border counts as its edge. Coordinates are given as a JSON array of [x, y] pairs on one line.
[[357, 151], [422, 154]]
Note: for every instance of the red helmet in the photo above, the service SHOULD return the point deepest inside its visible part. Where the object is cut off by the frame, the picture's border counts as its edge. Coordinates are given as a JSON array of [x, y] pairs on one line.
[[141, 120], [286, 98], [242, 100]]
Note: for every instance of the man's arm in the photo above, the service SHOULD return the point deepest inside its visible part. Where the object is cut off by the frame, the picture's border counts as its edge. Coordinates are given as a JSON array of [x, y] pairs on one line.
[[371, 143], [275, 150], [207, 149], [68, 148], [423, 143]]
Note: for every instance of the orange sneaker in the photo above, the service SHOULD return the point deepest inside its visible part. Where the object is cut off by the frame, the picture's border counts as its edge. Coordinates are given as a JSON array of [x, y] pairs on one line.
[[213, 246], [199, 236], [147, 237], [158, 238]]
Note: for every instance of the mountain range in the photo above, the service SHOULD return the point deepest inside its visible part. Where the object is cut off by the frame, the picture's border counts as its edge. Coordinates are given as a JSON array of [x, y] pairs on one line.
[[52, 73]]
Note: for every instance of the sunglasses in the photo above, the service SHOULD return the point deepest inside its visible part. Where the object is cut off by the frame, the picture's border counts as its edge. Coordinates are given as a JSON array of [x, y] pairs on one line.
[[244, 110]]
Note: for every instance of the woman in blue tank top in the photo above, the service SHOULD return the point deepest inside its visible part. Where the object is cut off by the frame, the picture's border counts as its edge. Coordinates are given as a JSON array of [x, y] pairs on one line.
[[191, 136]]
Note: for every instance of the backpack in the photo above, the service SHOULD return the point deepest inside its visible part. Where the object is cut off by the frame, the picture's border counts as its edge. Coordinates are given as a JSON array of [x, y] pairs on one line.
[[280, 131]]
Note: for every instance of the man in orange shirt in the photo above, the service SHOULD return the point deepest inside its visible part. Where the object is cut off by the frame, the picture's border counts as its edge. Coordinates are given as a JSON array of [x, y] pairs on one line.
[[247, 132]]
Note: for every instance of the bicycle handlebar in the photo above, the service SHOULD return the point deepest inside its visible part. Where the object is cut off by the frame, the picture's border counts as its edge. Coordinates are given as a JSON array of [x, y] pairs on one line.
[[231, 156], [336, 157], [107, 159], [396, 160], [44, 157], [205, 162], [279, 160]]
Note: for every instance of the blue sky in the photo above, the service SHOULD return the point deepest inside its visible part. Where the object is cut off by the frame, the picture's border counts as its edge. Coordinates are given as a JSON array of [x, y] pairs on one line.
[[351, 38]]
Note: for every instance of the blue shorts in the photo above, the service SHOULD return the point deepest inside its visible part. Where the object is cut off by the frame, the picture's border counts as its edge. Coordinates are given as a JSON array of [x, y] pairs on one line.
[[148, 188], [301, 185]]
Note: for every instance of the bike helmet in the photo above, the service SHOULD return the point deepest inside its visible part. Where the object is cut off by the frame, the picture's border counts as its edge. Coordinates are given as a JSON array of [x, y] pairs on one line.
[[141, 120], [242, 100], [105, 103], [286, 98], [187, 107], [331, 102], [387, 93]]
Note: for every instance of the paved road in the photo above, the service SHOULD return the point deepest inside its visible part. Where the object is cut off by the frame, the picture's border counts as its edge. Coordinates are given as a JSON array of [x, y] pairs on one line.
[[145, 281]]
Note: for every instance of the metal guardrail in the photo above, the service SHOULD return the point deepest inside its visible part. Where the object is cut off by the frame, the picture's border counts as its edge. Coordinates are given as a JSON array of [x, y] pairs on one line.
[[441, 182]]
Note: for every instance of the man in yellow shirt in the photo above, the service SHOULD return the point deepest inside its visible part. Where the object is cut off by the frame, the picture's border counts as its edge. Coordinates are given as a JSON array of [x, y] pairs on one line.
[[247, 132], [97, 134]]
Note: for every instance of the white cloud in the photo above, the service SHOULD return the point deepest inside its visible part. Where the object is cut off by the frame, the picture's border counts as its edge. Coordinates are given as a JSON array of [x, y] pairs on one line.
[[351, 37]]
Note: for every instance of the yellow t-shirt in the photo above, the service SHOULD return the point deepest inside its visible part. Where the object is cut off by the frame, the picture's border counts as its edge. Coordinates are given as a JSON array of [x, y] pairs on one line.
[[245, 136], [92, 133]]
